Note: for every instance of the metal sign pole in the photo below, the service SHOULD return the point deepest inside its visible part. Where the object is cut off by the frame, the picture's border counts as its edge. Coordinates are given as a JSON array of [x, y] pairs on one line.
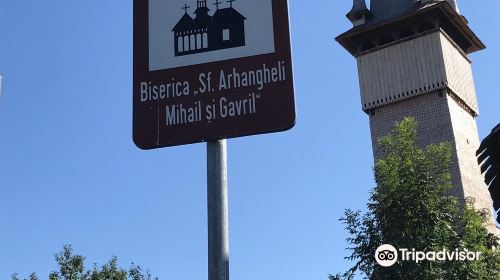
[[218, 242]]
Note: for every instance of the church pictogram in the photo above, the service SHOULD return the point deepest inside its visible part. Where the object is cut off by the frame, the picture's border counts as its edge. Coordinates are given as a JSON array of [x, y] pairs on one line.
[[223, 30]]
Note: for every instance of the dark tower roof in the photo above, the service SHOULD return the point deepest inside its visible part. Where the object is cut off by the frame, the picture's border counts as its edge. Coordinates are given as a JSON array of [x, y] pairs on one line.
[[184, 24], [359, 11], [358, 5], [397, 20], [387, 9]]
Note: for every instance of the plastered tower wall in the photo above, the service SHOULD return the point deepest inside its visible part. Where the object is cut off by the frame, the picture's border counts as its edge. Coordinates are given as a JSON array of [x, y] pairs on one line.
[[425, 74]]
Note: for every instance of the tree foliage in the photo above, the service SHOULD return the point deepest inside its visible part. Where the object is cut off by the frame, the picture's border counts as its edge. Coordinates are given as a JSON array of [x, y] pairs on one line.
[[411, 207], [72, 267]]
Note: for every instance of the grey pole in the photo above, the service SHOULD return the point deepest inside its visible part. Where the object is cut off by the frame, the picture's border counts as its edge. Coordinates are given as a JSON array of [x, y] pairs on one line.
[[218, 242]]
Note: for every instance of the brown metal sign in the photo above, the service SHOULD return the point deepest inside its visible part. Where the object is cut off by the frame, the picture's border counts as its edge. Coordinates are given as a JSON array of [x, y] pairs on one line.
[[206, 70]]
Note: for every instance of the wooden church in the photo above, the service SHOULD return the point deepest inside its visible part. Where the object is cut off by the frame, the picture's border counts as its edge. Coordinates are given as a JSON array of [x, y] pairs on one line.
[[223, 30]]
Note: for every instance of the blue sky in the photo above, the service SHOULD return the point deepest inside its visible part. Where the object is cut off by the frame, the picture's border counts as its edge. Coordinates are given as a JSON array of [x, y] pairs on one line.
[[70, 173]]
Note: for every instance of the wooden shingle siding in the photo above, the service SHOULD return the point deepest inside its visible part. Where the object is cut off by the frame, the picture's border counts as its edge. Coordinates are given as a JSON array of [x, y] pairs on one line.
[[415, 67], [459, 74]]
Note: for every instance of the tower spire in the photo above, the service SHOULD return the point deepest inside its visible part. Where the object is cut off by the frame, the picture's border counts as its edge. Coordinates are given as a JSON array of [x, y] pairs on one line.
[[359, 13], [358, 5]]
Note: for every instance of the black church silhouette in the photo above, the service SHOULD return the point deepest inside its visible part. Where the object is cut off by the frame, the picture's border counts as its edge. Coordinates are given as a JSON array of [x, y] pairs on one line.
[[223, 30]]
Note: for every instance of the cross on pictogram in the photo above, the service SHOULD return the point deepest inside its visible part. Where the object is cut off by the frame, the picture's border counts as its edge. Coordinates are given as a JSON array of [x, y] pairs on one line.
[[217, 3], [231, 2], [185, 8]]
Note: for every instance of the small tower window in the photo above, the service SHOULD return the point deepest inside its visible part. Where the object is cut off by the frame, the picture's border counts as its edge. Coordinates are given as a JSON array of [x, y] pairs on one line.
[[225, 35]]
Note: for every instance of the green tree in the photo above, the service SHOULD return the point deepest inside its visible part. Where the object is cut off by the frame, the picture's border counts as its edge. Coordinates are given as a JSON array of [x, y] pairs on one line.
[[72, 267], [411, 207], [33, 276]]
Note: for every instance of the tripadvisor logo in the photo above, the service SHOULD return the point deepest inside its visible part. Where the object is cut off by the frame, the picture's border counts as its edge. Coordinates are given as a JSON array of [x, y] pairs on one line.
[[387, 255]]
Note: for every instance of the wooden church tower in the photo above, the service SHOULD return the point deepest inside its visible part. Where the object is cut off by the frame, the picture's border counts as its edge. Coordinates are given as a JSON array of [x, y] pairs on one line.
[[413, 61]]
